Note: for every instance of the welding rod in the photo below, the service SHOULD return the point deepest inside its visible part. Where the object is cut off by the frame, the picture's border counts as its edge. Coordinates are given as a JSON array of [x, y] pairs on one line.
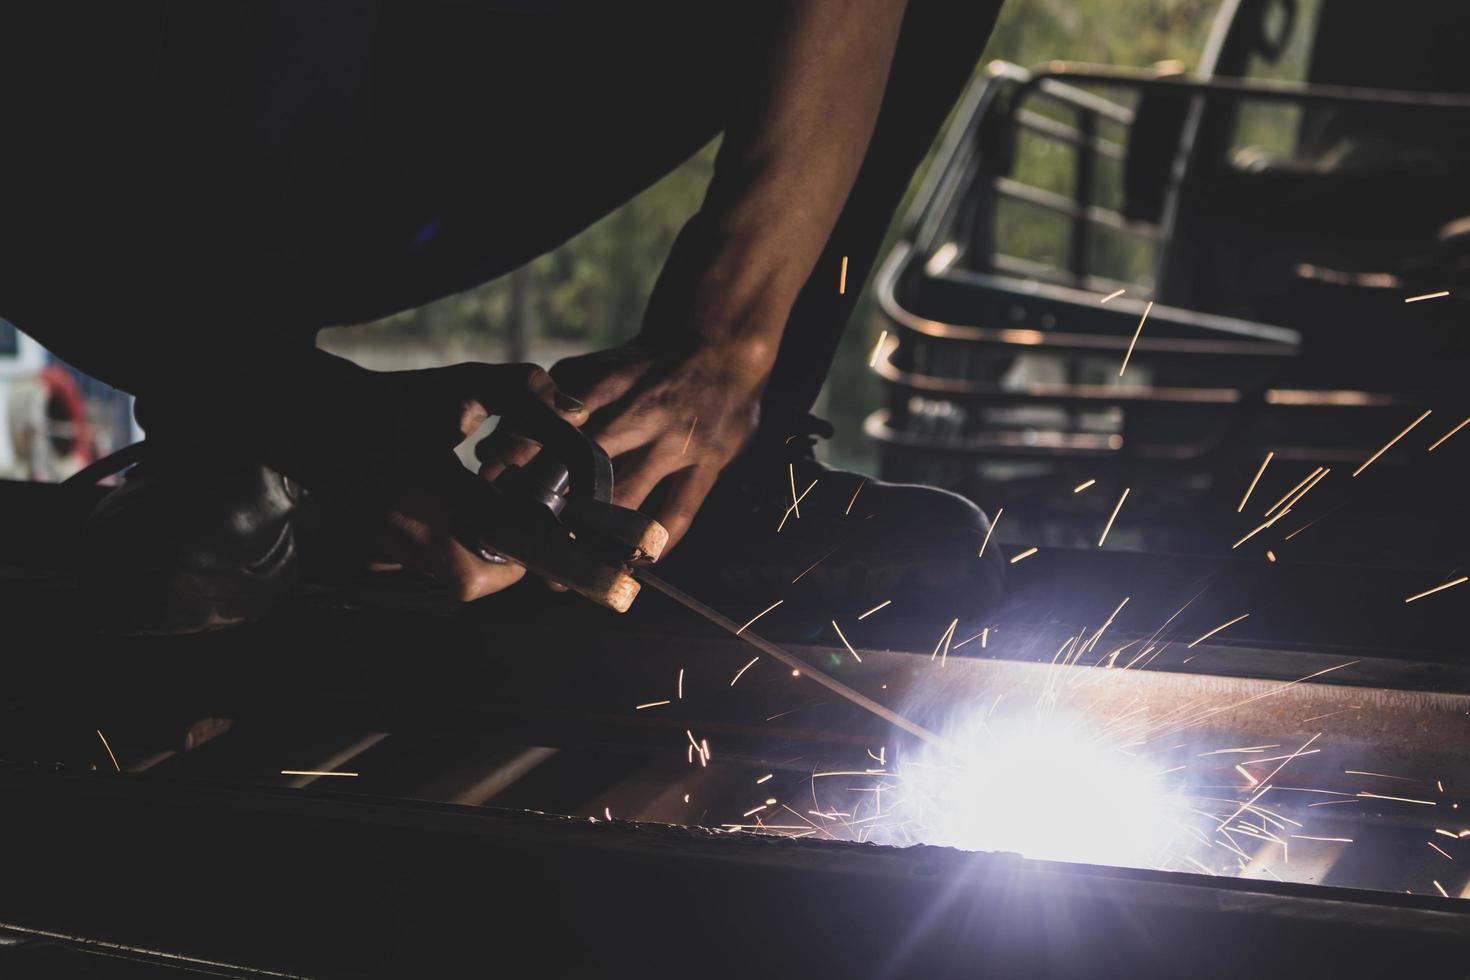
[[789, 659]]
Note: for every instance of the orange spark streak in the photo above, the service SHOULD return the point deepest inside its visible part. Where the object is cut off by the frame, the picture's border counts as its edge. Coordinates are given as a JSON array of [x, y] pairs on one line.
[[845, 643], [651, 704], [1436, 444], [1441, 888], [313, 772], [689, 436], [1439, 588], [1367, 462], [1216, 630], [990, 531], [1333, 840], [681, 683], [880, 605], [1421, 298], [1112, 517], [854, 496], [1083, 486], [1254, 480], [109, 749], [1113, 295], [743, 670], [842, 278], [767, 776], [795, 500], [1287, 495], [1396, 799], [813, 565], [758, 616], [1135, 338], [1439, 849], [1025, 554], [795, 506], [878, 348], [944, 641]]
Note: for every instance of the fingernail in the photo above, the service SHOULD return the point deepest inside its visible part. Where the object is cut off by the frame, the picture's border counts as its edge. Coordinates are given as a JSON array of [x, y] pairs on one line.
[[567, 403]]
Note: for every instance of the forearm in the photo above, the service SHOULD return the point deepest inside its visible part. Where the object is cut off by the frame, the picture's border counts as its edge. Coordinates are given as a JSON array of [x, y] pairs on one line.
[[789, 159]]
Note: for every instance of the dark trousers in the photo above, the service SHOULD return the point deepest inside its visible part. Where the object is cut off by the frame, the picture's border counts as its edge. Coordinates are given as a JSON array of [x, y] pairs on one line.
[[184, 174]]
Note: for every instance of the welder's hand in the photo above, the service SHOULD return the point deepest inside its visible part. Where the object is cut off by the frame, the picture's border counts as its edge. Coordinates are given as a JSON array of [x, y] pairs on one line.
[[671, 421], [400, 511]]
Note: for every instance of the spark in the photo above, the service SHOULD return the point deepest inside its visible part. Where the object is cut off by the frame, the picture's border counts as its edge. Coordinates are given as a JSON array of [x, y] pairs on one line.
[[814, 565], [607, 812], [1397, 799], [681, 683], [1243, 749], [686, 797], [770, 801], [1332, 840], [767, 777], [1439, 849], [704, 749], [1439, 588], [1439, 785], [1083, 486], [1113, 295], [314, 772], [981, 636], [878, 348], [1256, 479], [1253, 780], [842, 278], [1216, 630], [1441, 888], [1129, 354], [795, 500], [1333, 802], [1448, 833], [689, 436], [109, 749], [1270, 555], [944, 641], [880, 605], [845, 643], [1288, 494], [1367, 462], [758, 616], [1380, 775], [989, 531], [1416, 299], [1261, 527], [651, 704], [743, 670], [1436, 444], [1025, 554], [795, 506], [756, 809], [1112, 517]]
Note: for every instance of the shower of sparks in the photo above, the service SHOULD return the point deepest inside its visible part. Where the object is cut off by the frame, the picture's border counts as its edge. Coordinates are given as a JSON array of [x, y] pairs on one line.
[[854, 496], [1369, 461], [651, 704], [885, 602], [989, 531], [742, 670], [1083, 486], [1417, 299], [1216, 630], [1129, 353], [842, 278], [1112, 517], [758, 616], [1439, 588], [1254, 480], [1113, 295], [315, 772], [878, 348], [1025, 554], [1438, 442], [845, 643], [109, 749], [689, 436]]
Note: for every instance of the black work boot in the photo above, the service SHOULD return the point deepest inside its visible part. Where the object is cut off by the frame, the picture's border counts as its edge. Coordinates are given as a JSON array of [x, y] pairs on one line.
[[851, 543], [191, 541]]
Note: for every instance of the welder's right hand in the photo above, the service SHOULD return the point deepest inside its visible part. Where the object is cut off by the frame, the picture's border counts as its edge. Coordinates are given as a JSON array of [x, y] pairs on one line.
[[393, 498]]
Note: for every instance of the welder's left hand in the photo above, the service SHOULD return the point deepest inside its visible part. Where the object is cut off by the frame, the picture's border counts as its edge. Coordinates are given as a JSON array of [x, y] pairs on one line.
[[671, 421]]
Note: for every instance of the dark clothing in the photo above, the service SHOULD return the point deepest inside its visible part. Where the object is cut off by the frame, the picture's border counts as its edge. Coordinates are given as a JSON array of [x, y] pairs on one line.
[[181, 175]]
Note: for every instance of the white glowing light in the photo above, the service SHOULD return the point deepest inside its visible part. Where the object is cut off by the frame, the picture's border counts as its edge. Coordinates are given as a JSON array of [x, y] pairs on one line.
[[1046, 785]]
